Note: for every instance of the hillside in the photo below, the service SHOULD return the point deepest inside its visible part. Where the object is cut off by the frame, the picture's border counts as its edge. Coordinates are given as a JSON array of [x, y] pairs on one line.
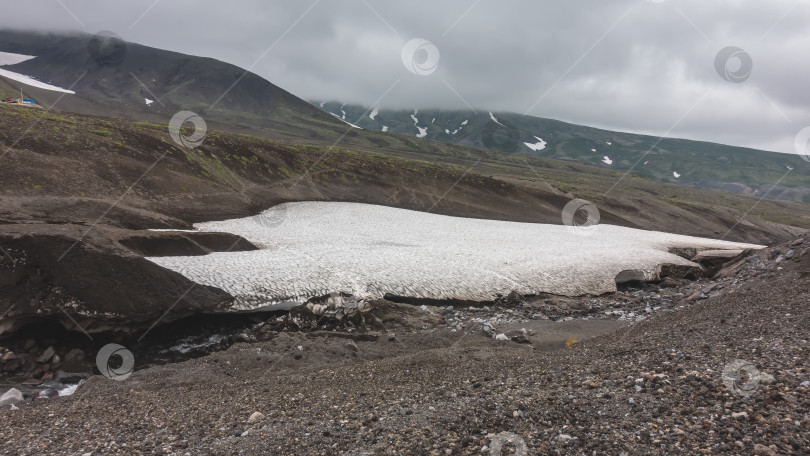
[[80, 193], [679, 161]]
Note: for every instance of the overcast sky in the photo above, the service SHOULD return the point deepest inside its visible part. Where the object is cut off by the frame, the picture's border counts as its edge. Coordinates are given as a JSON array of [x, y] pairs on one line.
[[631, 65]]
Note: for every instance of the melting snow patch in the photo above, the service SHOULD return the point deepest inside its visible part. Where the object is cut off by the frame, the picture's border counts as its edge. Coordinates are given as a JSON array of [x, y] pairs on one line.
[[675, 173], [322, 103], [609, 143], [373, 114], [539, 145], [465, 123], [27, 80], [148, 101], [68, 390], [422, 131], [344, 121], [314, 251], [8, 58], [492, 116], [447, 131], [384, 128], [593, 150], [606, 160]]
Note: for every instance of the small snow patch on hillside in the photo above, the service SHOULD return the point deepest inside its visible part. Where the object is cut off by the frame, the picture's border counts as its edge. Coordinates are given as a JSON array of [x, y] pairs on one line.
[[492, 116], [346, 122], [539, 145], [373, 114], [385, 128], [606, 160], [676, 174], [148, 101], [609, 143], [422, 130]]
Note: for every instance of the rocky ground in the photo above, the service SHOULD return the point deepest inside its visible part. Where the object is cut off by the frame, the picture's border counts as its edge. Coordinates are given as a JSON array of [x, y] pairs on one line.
[[519, 376]]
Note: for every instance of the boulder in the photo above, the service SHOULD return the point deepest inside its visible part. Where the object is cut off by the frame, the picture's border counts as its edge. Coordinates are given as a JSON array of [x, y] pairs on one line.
[[46, 355], [11, 397]]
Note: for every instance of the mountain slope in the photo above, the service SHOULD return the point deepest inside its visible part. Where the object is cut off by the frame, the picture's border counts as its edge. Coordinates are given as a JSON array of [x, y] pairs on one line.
[[680, 161], [118, 81]]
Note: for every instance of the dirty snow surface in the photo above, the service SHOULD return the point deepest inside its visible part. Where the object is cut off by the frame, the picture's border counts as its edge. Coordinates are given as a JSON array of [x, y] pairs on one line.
[[310, 249]]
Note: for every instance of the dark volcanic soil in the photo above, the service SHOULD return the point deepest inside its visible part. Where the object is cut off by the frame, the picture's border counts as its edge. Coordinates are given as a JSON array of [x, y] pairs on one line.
[[424, 388]]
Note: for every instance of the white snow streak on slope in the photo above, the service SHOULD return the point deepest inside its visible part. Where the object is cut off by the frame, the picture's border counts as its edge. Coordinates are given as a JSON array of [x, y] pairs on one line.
[[606, 160], [367, 250], [492, 116], [345, 121], [373, 114], [322, 103], [385, 128], [457, 129], [422, 130], [539, 145], [27, 80], [8, 58]]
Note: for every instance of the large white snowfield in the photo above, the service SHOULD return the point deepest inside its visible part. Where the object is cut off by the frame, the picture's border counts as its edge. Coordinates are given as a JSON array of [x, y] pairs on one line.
[[310, 249]]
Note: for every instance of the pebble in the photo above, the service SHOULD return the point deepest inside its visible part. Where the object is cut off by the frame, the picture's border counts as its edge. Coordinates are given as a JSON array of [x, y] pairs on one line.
[[740, 415], [255, 416]]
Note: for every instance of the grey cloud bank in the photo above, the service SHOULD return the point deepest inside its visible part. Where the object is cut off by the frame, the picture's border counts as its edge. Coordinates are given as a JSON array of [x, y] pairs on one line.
[[634, 65]]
